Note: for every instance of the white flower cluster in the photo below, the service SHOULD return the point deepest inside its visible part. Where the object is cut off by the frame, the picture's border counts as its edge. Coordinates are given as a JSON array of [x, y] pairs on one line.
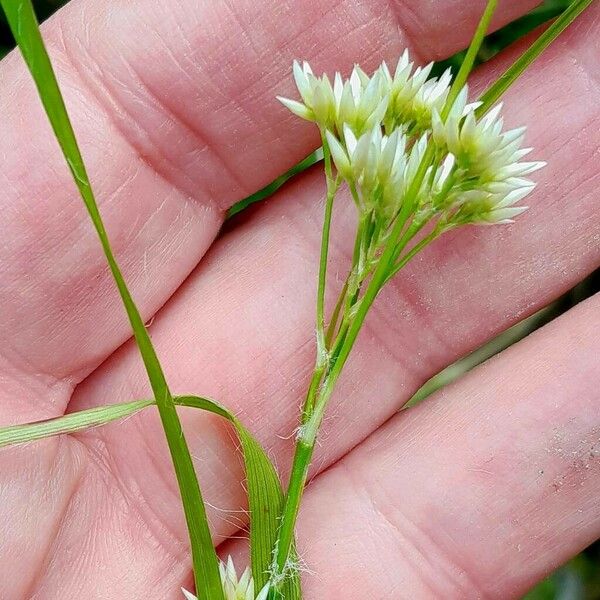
[[382, 165], [358, 102], [234, 588], [413, 96], [380, 128], [489, 174]]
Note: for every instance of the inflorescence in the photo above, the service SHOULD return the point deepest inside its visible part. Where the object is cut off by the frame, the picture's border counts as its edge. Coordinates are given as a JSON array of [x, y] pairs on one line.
[[395, 141]]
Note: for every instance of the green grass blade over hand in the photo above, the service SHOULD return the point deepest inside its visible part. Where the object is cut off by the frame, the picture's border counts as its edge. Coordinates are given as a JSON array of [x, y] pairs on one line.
[[271, 188], [85, 419], [265, 493], [469, 60], [265, 498], [497, 89], [23, 23]]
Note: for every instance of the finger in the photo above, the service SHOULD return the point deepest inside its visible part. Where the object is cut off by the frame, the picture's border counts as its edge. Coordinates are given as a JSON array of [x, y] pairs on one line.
[[61, 315], [225, 93], [175, 110], [477, 493], [241, 329], [163, 183]]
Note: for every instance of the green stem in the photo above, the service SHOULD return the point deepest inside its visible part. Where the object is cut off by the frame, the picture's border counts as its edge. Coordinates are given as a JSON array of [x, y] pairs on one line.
[[467, 64], [412, 253], [356, 267], [499, 87], [311, 425], [308, 434], [293, 497], [23, 23], [301, 459], [348, 337], [312, 392], [331, 328], [332, 186]]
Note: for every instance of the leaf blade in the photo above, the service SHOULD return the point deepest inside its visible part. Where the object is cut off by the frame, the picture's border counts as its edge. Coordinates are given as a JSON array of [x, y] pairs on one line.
[[265, 497], [71, 423], [23, 23], [499, 87], [469, 60]]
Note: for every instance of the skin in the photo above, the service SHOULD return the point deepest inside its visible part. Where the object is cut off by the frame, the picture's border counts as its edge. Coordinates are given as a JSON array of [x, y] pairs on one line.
[[477, 493]]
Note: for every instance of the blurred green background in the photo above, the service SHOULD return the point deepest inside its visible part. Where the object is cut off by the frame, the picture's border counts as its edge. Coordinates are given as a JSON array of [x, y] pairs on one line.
[[580, 578]]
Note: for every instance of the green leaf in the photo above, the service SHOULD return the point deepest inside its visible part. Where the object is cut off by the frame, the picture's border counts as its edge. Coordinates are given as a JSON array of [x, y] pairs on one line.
[[93, 417], [23, 23], [497, 89], [469, 60], [271, 188], [265, 498]]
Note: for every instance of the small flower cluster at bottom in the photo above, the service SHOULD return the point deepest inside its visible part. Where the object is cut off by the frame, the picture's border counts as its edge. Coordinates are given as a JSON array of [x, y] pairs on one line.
[[234, 588]]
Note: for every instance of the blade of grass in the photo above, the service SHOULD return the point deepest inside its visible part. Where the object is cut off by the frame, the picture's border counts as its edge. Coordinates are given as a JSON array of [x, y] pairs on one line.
[[497, 89], [85, 419], [271, 188], [469, 60], [24, 26], [265, 498]]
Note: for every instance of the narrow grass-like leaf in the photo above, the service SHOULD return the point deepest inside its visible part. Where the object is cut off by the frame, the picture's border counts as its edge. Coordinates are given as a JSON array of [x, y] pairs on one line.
[[23, 23], [78, 421], [469, 60], [497, 89], [265, 498], [271, 188], [264, 488]]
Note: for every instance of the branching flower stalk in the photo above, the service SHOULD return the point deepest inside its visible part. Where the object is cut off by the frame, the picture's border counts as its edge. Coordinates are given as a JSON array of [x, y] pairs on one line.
[[417, 161]]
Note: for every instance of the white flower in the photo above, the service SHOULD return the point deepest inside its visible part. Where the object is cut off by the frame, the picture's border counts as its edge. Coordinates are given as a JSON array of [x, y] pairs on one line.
[[413, 95], [380, 128], [379, 165], [234, 588], [481, 148], [373, 158], [317, 94], [360, 102]]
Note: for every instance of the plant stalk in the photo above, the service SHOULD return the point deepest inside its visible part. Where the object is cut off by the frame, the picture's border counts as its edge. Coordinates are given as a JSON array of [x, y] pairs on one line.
[[298, 477], [313, 412], [24, 26], [332, 186]]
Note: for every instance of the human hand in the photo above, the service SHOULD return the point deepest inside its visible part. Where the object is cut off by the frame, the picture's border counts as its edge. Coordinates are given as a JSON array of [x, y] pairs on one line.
[[478, 492]]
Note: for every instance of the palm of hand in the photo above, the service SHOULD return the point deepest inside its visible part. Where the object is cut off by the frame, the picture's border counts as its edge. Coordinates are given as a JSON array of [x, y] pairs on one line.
[[477, 493]]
